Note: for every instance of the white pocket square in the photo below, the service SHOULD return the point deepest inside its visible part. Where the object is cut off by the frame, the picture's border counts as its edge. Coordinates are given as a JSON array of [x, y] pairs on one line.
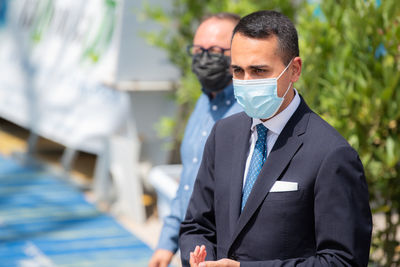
[[282, 186]]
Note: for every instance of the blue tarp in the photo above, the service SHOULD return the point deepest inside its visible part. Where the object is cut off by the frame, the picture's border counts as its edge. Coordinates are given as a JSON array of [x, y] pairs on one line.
[[46, 221]]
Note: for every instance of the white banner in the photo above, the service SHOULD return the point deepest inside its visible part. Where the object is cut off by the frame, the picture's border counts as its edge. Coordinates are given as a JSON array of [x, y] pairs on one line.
[[54, 57]]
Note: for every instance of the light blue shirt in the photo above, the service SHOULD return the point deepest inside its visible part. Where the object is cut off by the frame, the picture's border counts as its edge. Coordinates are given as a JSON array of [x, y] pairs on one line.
[[203, 118]]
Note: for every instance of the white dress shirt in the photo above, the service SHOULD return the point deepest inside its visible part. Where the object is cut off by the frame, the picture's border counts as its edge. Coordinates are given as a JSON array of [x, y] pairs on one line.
[[274, 125]]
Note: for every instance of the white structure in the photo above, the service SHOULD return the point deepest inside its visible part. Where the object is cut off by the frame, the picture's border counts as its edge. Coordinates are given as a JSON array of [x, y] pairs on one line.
[[79, 73], [165, 179]]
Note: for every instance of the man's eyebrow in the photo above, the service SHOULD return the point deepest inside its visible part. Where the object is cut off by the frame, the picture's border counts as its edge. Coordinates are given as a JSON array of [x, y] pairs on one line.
[[252, 66], [259, 66]]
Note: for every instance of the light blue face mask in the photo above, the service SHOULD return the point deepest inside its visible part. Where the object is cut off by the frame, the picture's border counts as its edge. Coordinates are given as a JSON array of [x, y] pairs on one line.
[[259, 98]]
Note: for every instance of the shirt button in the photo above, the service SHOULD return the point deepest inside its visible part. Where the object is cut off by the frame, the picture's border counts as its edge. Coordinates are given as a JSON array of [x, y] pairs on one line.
[[228, 102], [204, 133], [186, 187], [195, 160], [214, 107]]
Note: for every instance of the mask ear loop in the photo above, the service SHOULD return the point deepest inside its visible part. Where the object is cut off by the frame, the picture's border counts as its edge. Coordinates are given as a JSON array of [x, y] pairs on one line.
[[287, 90], [285, 69]]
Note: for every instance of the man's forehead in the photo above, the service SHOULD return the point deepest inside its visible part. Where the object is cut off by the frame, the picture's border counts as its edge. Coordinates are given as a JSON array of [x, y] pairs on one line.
[[216, 26], [214, 31], [240, 38], [254, 52]]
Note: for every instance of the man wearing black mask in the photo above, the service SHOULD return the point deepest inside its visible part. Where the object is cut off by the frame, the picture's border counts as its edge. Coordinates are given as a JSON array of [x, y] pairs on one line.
[[210, 54]]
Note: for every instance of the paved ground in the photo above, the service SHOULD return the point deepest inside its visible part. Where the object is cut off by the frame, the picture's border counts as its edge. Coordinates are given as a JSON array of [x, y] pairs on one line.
[[13, 140], [46, 221]]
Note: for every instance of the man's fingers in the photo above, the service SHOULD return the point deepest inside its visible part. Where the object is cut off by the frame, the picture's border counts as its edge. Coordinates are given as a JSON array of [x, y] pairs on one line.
[[208, 264], [196, 251], [220, 263], [198, 255], [192, 260], [202, 253]]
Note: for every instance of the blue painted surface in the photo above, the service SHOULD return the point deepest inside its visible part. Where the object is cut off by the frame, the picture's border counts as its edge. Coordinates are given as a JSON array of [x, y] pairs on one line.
[[45, 221], [3, 12]]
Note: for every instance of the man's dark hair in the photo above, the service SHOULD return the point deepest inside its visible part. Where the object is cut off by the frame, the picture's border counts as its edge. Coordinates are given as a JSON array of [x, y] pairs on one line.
[[223, 16], [265, 24]]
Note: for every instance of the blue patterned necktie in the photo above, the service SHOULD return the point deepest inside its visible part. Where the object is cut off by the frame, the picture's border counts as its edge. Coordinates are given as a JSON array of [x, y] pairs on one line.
[[256, 163]]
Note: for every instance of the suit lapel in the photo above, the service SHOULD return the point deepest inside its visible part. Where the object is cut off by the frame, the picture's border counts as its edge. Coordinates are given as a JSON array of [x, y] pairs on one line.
[[286, 146], [239, 155]]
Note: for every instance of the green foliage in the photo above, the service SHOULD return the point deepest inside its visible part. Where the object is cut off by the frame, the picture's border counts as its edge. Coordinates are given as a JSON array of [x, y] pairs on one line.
[[355, 86], [351, 77]]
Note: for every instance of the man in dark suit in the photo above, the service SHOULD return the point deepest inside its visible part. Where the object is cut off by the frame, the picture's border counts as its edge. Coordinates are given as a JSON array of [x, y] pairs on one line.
[[277, 186]]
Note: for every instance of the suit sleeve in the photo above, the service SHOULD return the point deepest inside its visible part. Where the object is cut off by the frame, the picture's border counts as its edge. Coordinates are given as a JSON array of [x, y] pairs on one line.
[[342, 216], [198, 227]]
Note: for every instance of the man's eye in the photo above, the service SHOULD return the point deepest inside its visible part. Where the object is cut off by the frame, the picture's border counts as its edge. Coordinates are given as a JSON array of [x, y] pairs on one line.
[[215, 50], [237, 71], [196, 51], [259, 71]]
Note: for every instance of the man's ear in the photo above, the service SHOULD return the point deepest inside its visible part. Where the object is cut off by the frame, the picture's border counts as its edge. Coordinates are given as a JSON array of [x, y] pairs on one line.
[[296, 69]]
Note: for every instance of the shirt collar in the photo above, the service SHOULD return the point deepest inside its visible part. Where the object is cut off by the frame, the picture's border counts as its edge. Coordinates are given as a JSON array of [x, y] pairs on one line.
[[278, 122]]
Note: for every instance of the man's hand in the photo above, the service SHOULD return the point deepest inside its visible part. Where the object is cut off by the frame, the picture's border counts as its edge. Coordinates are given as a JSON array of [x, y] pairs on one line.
[[161, 258], [220, 263], [197, 256]]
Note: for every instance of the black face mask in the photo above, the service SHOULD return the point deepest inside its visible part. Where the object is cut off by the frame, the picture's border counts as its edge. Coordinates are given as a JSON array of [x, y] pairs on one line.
[[212, 71]]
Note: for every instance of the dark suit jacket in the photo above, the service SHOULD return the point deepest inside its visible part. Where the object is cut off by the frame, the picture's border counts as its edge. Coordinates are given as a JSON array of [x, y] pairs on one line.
[[327, 222]]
